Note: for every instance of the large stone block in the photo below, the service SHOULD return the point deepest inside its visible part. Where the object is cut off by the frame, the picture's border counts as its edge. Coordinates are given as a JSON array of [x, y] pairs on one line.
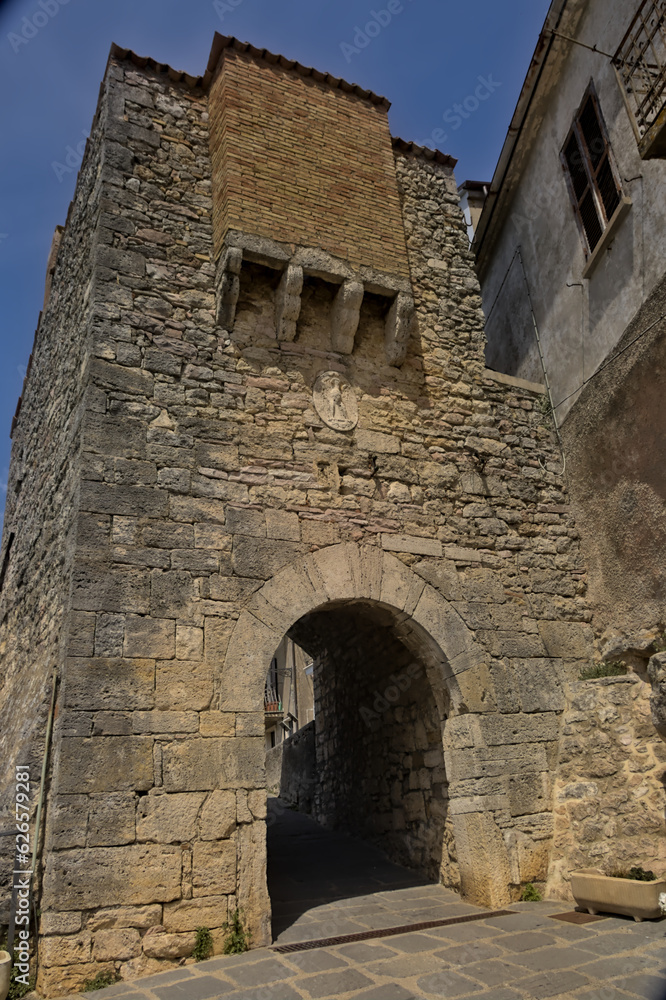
[[172, 594], [109, 635], [185, 685], [80, 633], [111, 819], [157, 943], [248, 657], [483, 859], [412, 543], [443, 623], [283, 524], [203, 911], [70, 950], [116, 945], [486, 762], [197, 509], [134, 501], [100, 876], [214, 868], [511, 643], [539, 685], [218, 816], [112, 434], [217, 456], [243, 521], [375, 441], [189, 643], [214, 723], [149, 637], [141, 917], [442, 575], [108, 684], [262, 558], [164, 722], [67, 822], [515, 729], [105, 764], [206, 764], [168, 819], [567, 639], [96, 587]]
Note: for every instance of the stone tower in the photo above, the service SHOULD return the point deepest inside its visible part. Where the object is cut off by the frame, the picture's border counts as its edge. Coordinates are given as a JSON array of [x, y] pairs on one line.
[[257, 405]]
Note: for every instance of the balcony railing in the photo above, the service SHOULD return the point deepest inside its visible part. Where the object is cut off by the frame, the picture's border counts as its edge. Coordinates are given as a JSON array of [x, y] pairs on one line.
[[272, 701], [640, 62]]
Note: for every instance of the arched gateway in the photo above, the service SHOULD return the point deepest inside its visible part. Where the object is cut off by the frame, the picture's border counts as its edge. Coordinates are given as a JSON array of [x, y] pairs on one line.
[[350, 578], [273, 416]]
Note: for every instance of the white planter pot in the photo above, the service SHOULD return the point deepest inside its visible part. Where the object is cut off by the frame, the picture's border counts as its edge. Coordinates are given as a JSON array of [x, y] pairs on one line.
[[600, 893], [5, 973]]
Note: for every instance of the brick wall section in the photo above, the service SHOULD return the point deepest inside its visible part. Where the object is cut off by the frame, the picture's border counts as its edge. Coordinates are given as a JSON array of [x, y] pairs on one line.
[[302, 162]]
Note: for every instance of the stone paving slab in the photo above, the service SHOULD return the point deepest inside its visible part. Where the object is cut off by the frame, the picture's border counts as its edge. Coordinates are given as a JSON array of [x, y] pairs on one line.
[[492, 959]]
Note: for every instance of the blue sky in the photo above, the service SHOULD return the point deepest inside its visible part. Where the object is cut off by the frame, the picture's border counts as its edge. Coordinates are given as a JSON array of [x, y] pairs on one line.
[[426, 56]]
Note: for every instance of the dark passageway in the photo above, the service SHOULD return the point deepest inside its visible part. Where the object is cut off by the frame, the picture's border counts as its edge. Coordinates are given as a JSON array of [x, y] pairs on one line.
[[324, 883]]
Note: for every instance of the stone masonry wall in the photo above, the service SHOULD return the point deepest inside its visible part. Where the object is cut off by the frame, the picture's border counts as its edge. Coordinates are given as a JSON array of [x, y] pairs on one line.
[[207, 470], [609, 785], [42, 500]]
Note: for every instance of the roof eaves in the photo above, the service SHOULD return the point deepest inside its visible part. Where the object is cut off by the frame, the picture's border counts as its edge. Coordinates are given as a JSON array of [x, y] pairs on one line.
[[117, 52], [530, 85], [222, 42], [429, 154]]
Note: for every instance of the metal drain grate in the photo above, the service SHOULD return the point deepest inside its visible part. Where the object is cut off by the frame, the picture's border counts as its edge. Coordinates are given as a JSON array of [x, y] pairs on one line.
[[387, 931], [576, 917]]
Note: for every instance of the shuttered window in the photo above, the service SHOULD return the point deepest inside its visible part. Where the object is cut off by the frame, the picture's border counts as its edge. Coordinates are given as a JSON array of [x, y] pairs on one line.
[[592, 177]]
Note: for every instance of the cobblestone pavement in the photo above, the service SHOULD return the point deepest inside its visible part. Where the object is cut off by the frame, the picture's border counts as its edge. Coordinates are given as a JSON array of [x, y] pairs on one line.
[[343, 887]]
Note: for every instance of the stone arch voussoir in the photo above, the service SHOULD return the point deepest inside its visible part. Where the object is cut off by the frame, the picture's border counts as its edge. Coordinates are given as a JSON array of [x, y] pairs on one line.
[[349, 572]]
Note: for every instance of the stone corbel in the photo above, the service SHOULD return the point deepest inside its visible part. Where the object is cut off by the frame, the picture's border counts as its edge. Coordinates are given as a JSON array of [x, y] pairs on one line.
[[228, 286], [345, 316], [398, 325], [288, 302]]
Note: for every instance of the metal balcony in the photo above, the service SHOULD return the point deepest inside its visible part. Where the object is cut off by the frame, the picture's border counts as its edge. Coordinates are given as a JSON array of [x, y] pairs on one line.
[[640, 63]]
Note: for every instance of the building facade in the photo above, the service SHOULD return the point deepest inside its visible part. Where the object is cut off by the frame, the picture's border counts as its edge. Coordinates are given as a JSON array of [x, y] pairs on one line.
[[258, 407], [571, 257]]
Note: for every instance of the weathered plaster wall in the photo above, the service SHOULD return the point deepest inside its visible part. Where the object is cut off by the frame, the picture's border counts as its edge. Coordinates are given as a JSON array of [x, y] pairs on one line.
[[580, 318], [614, 439]]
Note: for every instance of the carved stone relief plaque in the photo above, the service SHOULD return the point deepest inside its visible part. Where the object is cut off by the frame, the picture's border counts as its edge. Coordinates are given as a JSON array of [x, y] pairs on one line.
[[335, 401]]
